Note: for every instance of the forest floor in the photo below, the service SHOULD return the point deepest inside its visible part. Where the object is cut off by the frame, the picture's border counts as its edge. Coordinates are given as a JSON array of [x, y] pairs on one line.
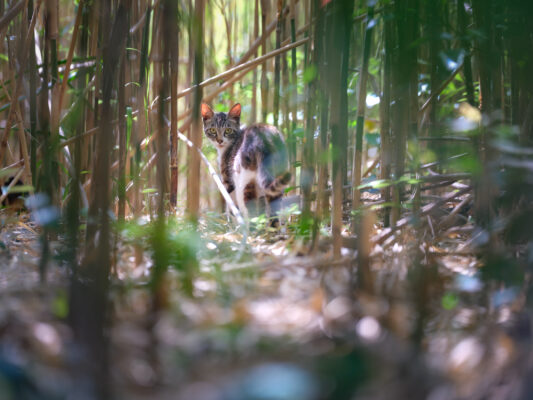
[[266, 322]]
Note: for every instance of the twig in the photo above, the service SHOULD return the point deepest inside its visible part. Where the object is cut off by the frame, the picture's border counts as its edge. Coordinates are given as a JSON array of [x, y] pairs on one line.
[[386, 233], [217, 180], [253, 63], [244, 68], [11, 184], [372, 166], [18, 83], [10, 14], [70, 53], [445, 221], [441, 88], [141, 20]]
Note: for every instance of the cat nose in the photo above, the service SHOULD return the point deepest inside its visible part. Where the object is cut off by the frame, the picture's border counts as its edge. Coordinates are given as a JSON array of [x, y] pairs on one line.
[[219, 141]]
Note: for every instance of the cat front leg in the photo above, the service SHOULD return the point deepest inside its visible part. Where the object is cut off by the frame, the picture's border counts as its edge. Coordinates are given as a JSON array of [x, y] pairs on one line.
[[241, 203]]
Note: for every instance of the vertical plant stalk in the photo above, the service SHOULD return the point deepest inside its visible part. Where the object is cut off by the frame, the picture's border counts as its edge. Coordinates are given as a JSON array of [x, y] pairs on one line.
[[307, 175], [122, 145], [462, 23], [339, 46], [482, 12], [323, 96], [401, 104], [89, 302], [277, 62], [414, 35], [52, 20], [73, 205], [193, 179], [18, 83], [385, 111], [70, 54], [294, 92], [433, 32], [174, 67], [32, 79], [253, 114], [361, 108], [265, 7]]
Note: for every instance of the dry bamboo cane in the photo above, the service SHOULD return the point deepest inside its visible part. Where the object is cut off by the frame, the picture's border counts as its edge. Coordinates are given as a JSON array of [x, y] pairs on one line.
[[245, 68], [20, 133], [193, 176], [18, 83], [361, 108], [277, 64], [264, 81], [70, 53], [10, 14], [253, 115], [11, 184]]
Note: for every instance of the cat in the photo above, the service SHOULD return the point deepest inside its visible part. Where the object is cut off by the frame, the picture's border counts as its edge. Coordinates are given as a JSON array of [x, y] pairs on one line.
[[253, 160]]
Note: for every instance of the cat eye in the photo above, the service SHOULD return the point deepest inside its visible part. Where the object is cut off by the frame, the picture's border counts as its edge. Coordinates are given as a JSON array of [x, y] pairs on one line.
[[228, 131], [211, 131]]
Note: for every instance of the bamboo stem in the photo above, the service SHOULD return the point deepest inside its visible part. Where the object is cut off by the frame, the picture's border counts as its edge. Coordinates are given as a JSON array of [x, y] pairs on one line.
[[361, 108], [70, 53], [10, 14], [18, 83]]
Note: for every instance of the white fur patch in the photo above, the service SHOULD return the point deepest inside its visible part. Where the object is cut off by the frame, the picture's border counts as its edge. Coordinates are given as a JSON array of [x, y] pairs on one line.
[[242, 177]]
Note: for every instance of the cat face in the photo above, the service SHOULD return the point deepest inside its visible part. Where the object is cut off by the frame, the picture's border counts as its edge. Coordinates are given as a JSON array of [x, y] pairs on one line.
[[223, 129]]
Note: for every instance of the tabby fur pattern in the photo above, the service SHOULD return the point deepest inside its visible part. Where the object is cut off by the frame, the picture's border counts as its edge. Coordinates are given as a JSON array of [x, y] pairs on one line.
[[253, 160]]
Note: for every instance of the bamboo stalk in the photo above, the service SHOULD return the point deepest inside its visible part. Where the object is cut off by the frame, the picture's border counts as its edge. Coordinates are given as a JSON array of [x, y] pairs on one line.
[[241, 67], [244, 68], [173, 135], [33, 71], [10, 14], [20, 133], [307, 174], [264, 80], [253, 114], [18, 83], [361, 108], [70, 53], [277, 63], [122, 149], [193, 178]]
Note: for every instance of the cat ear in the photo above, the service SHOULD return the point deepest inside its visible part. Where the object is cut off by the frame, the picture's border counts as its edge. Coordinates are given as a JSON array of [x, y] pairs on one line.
[[235, 111], [207, 113]]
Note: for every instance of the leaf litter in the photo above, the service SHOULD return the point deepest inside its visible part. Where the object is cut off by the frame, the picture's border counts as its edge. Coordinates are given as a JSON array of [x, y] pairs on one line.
[[273, 312]]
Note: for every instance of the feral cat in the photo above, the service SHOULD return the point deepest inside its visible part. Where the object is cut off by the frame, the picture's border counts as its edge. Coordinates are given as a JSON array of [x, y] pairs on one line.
[[253, 161]]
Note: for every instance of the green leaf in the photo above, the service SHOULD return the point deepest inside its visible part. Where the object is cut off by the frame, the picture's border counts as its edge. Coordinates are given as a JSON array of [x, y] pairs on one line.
[[21, 189], [377, 184], [60, 305], [310, 73], [449, 301], [129, 123]]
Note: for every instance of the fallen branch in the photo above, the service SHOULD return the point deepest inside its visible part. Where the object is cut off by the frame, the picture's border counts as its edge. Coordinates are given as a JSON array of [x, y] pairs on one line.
[[386, 233], [449, 218], [11, 184]]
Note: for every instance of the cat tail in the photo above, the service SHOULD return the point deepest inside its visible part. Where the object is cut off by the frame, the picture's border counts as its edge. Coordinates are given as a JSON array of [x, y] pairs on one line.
[[275, 186]]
